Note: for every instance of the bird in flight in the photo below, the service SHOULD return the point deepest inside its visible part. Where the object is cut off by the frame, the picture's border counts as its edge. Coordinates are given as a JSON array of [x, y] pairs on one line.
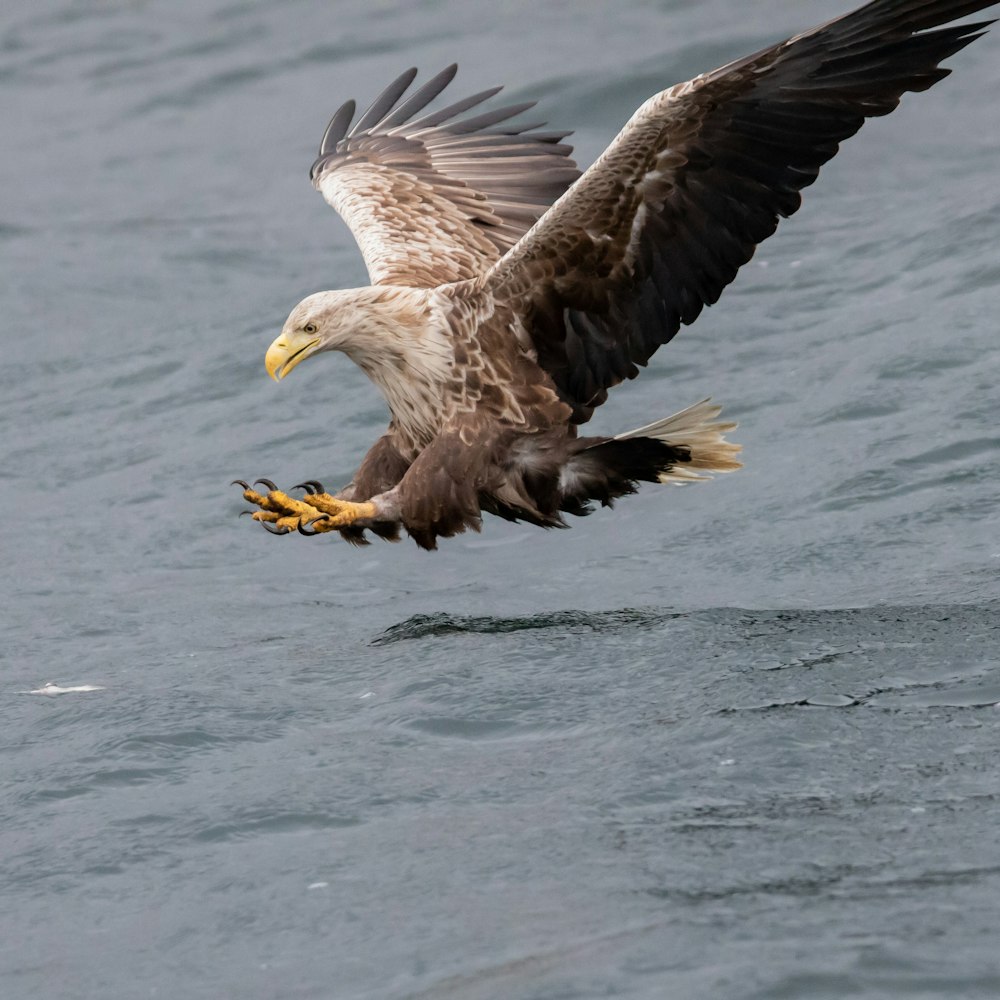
[[509, 292]]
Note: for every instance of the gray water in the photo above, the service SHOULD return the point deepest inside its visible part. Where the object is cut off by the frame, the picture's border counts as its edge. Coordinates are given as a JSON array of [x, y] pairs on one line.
[[733, 741]]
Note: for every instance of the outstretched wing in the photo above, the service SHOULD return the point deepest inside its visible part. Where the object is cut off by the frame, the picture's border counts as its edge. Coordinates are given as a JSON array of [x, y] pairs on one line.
[[433, 200], [661, 223]]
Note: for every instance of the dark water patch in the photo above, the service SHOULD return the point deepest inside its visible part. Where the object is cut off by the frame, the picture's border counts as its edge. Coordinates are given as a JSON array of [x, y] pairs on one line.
[[116, 776], [10, 231], [243, 259], [803, 884], [54, 794], [956, 451], [885, 485], [146, 374], [437, 625], [926, 364], [861, 410], [813, 701], [250, 826], [976, 279], [819, 658], [171, 744], [209, 89], [932, 879], [181, 53], [334, 54], [145, 820], [769, 808], [974, 236]]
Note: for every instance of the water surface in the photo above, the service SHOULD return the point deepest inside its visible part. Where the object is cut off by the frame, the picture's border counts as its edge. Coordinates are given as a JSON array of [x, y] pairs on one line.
[[727, 741]]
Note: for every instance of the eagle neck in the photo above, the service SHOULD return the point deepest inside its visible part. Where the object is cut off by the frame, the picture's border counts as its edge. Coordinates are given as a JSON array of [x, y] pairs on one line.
[[404, 350]]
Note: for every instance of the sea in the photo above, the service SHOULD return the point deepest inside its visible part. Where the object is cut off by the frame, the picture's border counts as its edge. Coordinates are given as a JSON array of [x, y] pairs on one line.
[[735, 741]]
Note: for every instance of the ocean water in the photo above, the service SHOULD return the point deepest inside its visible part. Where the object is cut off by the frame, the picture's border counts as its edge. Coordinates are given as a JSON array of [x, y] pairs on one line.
[[732, 741]]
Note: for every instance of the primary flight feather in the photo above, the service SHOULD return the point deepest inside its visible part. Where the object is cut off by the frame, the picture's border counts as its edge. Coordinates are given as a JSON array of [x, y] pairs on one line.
[[510, 293]]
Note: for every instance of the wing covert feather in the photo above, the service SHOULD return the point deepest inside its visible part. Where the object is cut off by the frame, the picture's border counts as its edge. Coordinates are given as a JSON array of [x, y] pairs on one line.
[[702, 173], [438, 198]]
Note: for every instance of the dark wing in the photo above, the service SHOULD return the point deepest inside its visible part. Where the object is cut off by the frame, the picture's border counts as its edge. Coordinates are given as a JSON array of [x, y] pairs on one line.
[[433, 199], [661, 223]]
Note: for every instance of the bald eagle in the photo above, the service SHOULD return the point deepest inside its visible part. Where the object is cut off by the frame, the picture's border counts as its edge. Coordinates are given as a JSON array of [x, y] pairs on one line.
[[509, 292]]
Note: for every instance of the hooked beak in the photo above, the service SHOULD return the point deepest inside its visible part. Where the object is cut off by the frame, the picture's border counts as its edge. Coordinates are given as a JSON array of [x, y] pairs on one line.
[[286, 352]]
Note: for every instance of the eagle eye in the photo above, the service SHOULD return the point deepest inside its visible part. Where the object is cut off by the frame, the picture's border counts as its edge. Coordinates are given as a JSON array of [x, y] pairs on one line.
[[310, 328]]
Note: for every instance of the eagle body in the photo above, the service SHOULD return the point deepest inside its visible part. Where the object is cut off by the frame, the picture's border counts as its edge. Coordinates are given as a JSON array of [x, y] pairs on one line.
[[433, 356], [454, 382], [510, 292]]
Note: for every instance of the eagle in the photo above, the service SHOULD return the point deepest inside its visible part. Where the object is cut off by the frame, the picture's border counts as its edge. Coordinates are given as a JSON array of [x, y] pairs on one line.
[[510, 292]]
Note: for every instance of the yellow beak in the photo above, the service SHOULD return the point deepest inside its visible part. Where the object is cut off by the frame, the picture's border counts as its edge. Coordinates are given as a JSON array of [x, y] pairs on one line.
[[286, 352]]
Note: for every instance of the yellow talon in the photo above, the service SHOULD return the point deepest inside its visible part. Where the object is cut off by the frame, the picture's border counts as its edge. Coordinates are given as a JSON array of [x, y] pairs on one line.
[[282, 502], [326, 503], [343, 512], [322, 525], [318, 511], [252, 496], [264, 515]]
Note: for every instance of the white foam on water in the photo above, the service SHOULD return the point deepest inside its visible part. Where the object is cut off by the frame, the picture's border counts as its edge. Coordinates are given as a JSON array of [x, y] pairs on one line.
[[51, 689]]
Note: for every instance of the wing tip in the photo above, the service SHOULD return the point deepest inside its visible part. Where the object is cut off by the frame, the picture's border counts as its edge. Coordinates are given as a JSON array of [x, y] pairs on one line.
[[337, 127]]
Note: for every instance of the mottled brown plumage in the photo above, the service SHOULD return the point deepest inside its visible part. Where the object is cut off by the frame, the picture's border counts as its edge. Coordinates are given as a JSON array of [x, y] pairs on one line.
[[495, 324]]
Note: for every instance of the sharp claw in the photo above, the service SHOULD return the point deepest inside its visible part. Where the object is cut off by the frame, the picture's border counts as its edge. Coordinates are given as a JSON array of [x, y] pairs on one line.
[[265, 482], [274, 531], [303, 531], [310, 486], [239, 482], [244, 513]]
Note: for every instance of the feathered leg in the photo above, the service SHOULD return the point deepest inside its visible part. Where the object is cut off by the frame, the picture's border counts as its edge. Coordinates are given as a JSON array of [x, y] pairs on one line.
[[318, 512]]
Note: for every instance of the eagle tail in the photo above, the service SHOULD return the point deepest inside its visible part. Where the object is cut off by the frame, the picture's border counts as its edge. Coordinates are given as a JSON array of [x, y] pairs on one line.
[[546, 477], [697, 431], [684, 448]]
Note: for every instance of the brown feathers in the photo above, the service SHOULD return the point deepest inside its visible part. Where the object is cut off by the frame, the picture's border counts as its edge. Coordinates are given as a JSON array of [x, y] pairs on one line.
[[702, 173], [499, 324], [439, 198]]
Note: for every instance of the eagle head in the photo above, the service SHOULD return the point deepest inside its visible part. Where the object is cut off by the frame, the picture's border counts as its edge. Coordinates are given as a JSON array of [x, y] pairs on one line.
[[319, 322]]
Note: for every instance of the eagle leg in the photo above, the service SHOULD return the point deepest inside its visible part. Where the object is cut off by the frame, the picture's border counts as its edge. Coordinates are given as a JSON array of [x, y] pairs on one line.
[[339, 513], [320, 510]]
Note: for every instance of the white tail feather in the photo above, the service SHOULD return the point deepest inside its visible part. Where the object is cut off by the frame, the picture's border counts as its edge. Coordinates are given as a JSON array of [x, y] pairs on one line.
[[696, 429]]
